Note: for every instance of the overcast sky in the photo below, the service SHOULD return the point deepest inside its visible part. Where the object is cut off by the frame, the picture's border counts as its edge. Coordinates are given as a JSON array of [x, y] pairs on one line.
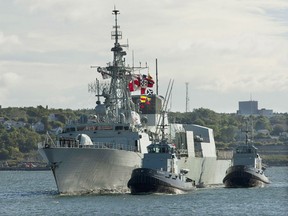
[[227, 50]]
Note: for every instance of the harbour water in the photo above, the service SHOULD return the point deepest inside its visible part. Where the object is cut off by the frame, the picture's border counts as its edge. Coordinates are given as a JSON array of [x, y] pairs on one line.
[[34, 193]]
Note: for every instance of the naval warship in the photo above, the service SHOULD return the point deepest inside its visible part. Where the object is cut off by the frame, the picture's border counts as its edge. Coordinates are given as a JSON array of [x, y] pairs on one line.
[[99, 153]]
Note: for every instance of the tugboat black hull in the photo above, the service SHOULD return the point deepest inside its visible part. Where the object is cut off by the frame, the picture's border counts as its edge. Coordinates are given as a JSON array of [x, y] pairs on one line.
[[147, 181], [244, 176]]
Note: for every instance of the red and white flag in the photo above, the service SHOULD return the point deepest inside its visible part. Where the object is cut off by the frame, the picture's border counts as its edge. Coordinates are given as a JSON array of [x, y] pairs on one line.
[[134, 84]]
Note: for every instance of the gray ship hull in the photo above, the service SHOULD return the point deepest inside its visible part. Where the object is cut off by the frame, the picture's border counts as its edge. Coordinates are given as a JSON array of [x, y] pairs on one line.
[[88, 170], [244, 176], [91, 170], [146, 181], [207, 171]]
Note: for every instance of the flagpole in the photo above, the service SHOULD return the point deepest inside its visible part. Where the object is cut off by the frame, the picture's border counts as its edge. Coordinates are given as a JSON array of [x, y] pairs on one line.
[[156, 77]]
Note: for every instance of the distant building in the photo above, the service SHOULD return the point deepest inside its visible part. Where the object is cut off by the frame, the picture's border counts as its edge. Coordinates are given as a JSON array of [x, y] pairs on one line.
[[57, 130], [13, 124], [52, 117], [264, 132], [248, 108], [284, 134], [266, 112], [38, 126], [2, 120], [251, 108]]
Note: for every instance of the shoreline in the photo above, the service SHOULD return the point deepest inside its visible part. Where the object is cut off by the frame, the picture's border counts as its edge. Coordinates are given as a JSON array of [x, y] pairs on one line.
[[24, 169]]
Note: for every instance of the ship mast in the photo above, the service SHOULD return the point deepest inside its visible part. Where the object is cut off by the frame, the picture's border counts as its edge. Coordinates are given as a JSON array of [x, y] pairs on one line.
[[119, 83], [117, 97]]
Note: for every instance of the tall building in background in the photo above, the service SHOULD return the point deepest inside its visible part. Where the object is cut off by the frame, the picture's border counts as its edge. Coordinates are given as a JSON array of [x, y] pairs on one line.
[[251, 108], [248, 108]]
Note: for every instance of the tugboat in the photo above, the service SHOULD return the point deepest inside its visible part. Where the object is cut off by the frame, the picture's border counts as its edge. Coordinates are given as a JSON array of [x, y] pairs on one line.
[[159, 172], [246, 169]]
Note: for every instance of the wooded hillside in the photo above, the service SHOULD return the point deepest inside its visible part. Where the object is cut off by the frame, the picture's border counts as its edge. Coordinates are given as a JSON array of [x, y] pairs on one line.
[[22, 128]]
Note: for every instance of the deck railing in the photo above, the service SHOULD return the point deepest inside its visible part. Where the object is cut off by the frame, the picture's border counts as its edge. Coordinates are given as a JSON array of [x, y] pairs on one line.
[[97, 145]]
